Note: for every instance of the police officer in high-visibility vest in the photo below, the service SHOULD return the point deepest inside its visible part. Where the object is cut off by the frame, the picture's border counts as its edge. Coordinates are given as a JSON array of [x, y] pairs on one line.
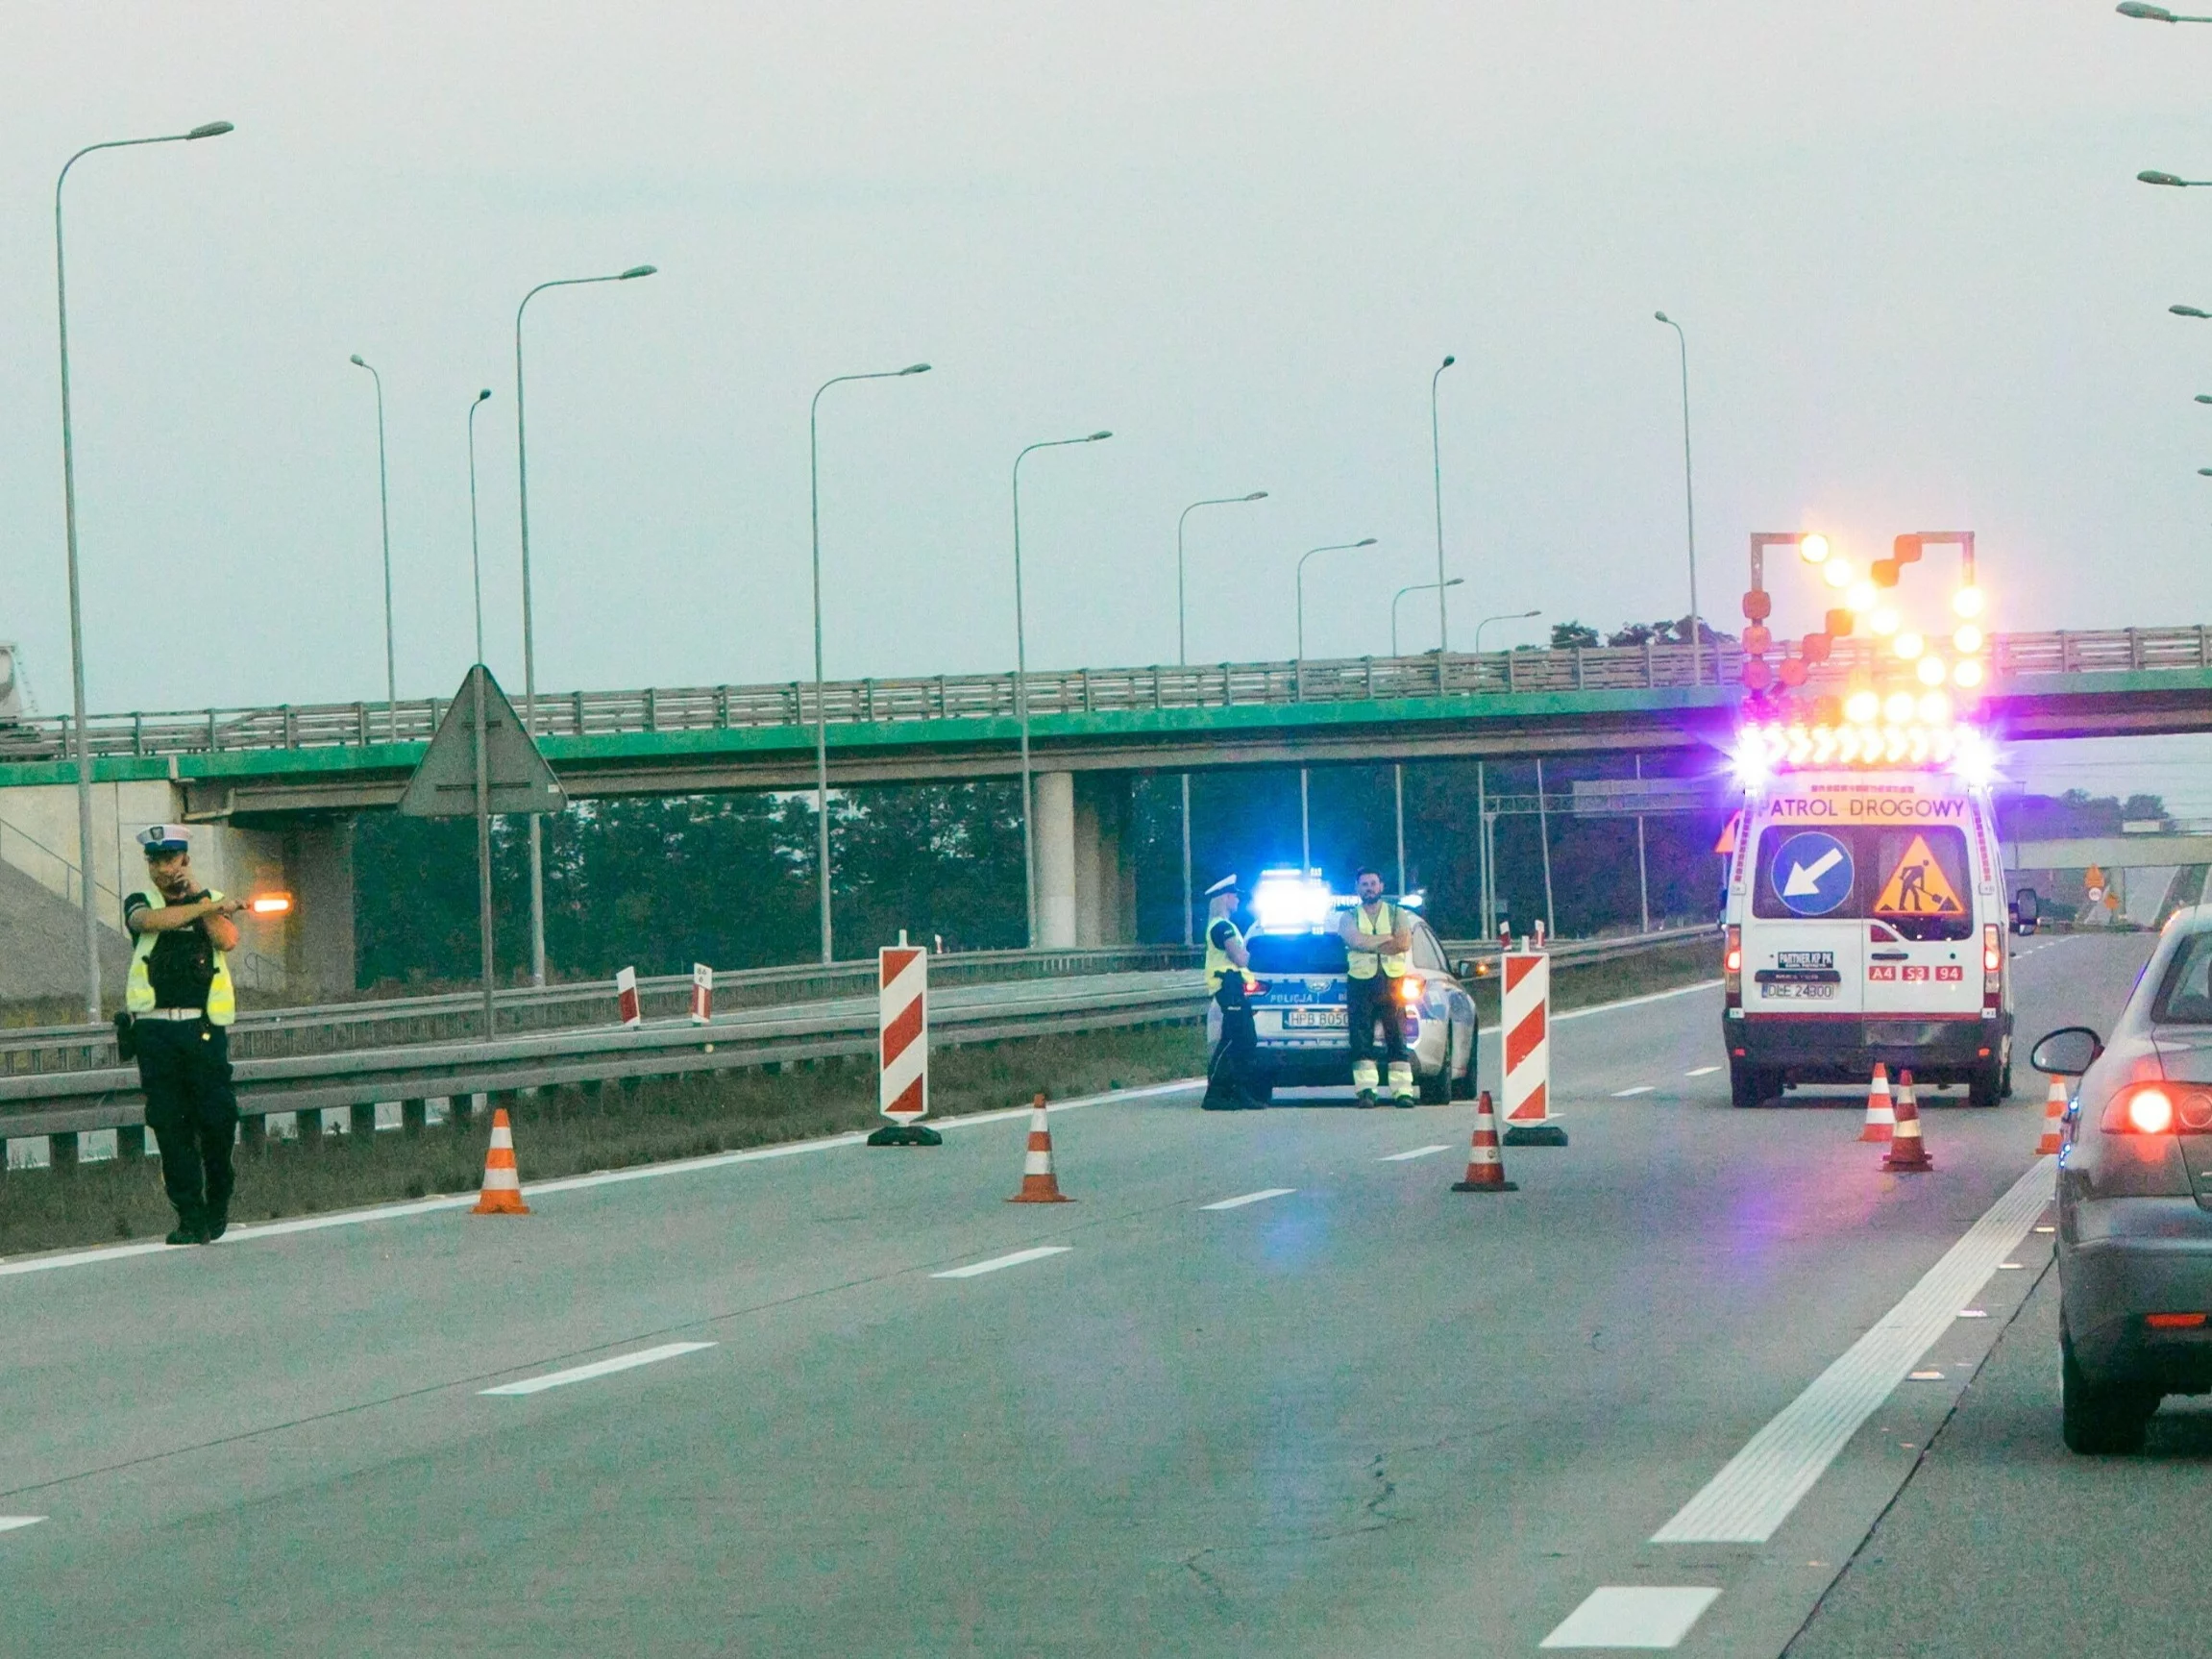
[[181, 1003], [1230, 1075], [1377, 939]]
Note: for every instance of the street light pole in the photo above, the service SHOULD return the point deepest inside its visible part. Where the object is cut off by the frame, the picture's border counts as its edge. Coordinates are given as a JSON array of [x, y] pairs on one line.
[[476, 555], [1183, 660], [1689, 507], [530, 639], [1021, 675], [820, 716], [1398, 767], [384, 503], [1298, 677], [1509, 616], [2154, 13], [88, 887], [1436, 467]]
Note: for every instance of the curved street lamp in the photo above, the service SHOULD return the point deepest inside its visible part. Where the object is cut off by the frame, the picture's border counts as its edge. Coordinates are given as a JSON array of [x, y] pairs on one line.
[[1509, 616], [1022, 674], [530, 639], [1183, 660], [820, 717], [87, 888], [1298, 676], [1436, 471], [1689, 507], [384, 503], [476, 555], [2154, 13]]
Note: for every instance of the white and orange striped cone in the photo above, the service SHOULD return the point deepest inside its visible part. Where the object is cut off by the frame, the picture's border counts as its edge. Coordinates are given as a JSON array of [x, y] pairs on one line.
[[1485, 1164], [503, 1189], [1039, 1185], [1880, 1115], [1907, 1153], [2053, 1119]]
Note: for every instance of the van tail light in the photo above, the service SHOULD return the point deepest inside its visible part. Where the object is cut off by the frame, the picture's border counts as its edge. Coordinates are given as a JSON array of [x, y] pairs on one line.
[[2176, 1321], [1992, 960], [1410, 989], [1731, 968]]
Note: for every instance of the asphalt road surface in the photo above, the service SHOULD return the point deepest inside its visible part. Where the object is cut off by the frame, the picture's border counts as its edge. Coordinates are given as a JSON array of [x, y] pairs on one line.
[[1356, 1413]]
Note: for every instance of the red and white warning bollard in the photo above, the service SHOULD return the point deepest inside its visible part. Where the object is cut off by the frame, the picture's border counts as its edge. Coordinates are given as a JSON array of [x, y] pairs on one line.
[[702, 992], [631, 1011], [1525, 1024], [902, 1045]]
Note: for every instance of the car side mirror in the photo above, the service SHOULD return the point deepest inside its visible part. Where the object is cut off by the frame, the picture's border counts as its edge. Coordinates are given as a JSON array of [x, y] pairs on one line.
[[1463, 969], [2066, 1053]]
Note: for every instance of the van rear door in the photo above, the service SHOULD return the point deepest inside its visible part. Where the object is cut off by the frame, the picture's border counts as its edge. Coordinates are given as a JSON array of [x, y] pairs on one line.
[[1803, 945], [1922, 955]]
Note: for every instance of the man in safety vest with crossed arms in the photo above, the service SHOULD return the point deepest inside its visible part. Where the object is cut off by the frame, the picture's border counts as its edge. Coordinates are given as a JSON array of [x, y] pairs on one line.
[[181, 1003], [1377, 939]]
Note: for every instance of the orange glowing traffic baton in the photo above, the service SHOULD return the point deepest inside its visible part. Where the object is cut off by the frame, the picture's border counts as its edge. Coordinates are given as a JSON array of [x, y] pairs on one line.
[[270, 903]]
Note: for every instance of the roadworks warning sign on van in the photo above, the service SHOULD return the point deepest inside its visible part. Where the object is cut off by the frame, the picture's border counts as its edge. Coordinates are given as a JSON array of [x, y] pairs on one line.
[[1917, 886]]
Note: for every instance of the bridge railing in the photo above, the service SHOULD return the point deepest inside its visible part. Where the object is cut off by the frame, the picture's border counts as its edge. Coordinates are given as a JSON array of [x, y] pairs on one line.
[[1068, 692]]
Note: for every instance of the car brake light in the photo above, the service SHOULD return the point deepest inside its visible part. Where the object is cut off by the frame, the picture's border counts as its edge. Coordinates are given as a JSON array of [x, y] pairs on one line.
[[1732, 966], [1992, 952], [2176, 1321], [1410, 989], [2145, 1109]]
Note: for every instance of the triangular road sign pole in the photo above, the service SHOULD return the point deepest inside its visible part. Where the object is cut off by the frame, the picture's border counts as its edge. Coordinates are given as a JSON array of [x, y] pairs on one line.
[[482, 761]]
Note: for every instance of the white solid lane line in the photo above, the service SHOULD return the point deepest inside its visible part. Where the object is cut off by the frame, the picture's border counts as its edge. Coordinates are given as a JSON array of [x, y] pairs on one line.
[[1243, 1198], [598, 1368], [1639, 1089], [1701, 1070], [1633, 1616], [1416, 1153], [1756, 1489], [1037, 1253], [9, 1523]]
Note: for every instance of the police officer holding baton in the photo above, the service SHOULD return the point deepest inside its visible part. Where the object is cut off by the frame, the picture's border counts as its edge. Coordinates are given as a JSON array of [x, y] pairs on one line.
[[1229, 1076], [177, 1007]]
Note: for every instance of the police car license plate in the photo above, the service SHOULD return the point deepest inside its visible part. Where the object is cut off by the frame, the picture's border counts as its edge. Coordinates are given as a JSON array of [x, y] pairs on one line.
[[1313, 1019], [1801, 993]]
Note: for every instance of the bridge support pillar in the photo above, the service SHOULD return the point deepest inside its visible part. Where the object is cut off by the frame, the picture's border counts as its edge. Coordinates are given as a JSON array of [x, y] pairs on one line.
[[319, 937], [1105, 865], [1053, 824]]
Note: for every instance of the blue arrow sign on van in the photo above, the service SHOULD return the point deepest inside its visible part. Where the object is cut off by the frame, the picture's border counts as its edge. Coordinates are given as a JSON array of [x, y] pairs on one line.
[[1812, 874]]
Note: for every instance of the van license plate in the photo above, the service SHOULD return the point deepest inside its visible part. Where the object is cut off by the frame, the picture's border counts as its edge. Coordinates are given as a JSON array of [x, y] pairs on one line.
[[1786, 992], [1313, 1019]]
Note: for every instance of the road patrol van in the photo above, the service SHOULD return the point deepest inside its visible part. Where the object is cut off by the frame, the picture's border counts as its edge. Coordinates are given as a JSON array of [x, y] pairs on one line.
[[1866, 920]]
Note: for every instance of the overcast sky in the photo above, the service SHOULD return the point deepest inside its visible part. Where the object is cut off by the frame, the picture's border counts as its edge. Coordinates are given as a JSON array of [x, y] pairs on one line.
[[1920, 286]]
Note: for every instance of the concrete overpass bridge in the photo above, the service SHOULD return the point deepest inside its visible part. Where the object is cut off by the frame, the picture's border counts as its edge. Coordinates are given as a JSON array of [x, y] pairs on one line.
[[285, 783]]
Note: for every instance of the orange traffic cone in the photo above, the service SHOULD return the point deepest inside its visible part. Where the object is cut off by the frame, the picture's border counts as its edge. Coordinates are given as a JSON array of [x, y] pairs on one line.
[[1485, 1164], [1038, 1184], [1880, 1115], [1908, 1152], [502, 1190], [2053, 1118]]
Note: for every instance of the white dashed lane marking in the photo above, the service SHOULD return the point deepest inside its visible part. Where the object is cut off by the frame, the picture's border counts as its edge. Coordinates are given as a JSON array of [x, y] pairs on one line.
[[1243, 1198], [1407, 1157], [1633, 1616], [1701, 1070], [1036, 1254], [9, 1522], [598, 1368], [1639, 1089]]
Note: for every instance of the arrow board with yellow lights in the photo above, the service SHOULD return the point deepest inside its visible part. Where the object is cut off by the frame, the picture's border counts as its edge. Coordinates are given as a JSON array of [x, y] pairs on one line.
[[1918, 887]]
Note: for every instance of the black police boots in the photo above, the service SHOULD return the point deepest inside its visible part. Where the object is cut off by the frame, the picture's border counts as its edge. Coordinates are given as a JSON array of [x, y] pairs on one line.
[[214, 1222], [191, 1230]]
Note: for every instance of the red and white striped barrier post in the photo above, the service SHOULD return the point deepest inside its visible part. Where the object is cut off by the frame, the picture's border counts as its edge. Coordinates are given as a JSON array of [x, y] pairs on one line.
[[1526, 1024], [702, 992], [902, 1045], [632, 1012]]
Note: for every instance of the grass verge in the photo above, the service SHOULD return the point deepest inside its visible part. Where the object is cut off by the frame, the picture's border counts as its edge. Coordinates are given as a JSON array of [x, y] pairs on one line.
[[576, 1130]]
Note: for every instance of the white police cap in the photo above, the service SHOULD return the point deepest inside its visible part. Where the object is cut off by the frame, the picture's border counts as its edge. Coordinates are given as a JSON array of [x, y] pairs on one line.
[[161, 838], [1226, 884]]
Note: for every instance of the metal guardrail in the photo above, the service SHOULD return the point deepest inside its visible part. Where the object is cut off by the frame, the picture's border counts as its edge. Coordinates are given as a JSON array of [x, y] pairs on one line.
[[1069, 691], [453, 1016], [106, 1097]]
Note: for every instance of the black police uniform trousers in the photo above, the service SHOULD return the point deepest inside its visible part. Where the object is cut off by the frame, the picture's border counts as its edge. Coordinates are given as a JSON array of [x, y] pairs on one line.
[[1229, 1075], [185, 1068], [1367, 1002]]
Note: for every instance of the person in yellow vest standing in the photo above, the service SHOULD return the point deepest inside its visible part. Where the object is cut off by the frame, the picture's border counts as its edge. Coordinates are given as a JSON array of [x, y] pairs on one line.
[[1230, 1085], [179, 1005], [1377, 939]]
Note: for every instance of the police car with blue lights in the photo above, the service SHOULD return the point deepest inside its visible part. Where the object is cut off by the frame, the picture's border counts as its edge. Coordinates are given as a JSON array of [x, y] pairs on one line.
[[1299, 1015]]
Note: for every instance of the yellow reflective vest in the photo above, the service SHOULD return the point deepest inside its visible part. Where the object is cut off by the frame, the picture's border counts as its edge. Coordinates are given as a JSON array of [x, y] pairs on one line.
[[1218, 966], [138, 988], [1360, 965]]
